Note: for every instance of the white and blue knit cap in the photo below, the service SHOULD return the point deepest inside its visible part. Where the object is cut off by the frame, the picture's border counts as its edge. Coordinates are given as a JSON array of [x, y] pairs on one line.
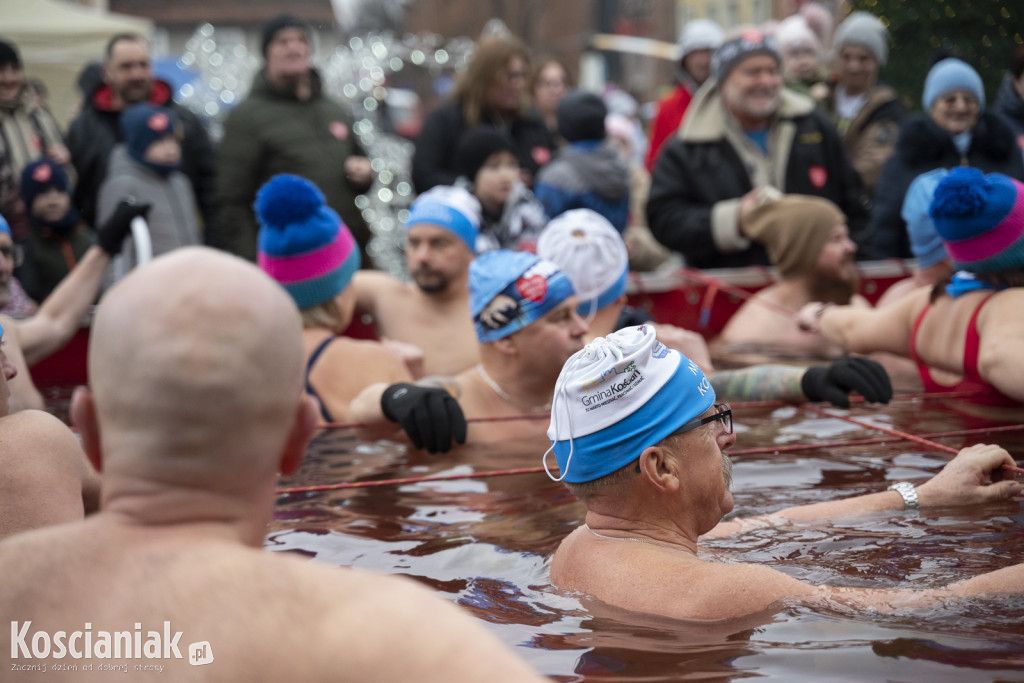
[[448, 207], [617, 396], [587, 248]]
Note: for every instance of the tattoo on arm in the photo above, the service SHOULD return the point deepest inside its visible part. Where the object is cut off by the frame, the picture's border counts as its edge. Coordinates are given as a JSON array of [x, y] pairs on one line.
[[759, 383], [449, 384]]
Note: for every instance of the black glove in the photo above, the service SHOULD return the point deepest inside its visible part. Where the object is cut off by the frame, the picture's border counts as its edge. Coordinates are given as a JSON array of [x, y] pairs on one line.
[[111, 234], [429, 415], [833, 382]]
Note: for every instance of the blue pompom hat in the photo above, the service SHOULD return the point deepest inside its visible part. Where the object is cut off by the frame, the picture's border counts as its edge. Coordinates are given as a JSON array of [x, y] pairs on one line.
[[980, 219], [302, 242]]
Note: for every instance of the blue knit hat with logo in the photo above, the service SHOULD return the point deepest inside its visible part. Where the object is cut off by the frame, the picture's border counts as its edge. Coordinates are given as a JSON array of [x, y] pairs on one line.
[[38, 177], [508, 290], [144, 124]]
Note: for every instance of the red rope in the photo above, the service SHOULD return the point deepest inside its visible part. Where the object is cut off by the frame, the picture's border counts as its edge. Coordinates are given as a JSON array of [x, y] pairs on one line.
[[894, 432], [790, 448], [537, 470], [739, 404]]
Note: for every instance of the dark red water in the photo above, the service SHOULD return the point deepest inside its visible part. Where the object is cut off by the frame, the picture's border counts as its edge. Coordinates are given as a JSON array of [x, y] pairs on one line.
[[483, 544]]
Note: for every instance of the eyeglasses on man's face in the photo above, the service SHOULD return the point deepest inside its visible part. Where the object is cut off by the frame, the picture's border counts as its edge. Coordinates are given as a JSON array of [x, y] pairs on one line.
[[722, 412]]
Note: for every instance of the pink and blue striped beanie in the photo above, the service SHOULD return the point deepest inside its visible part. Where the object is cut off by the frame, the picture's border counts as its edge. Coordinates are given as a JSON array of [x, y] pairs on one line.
[[980, 219], [302, 242]]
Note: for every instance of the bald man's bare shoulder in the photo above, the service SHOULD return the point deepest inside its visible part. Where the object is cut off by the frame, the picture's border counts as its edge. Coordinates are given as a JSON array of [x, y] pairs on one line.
[[265, 615]]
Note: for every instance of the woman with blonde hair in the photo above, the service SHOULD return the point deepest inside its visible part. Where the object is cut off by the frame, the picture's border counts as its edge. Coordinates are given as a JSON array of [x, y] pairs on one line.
[[304, 246], [490, 92]]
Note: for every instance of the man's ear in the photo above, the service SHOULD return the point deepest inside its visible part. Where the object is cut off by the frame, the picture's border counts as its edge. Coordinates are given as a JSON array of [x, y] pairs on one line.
[[83, 417], [307, 418], [659, 469], [507, 345]]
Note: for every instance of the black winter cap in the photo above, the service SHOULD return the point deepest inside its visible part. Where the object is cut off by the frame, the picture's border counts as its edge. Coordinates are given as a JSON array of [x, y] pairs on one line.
[[279, 23], [581, 116], [475, 146], [9, 54]]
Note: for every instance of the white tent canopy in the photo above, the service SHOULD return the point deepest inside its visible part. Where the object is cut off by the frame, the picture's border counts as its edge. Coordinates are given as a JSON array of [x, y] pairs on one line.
[[56, 39]]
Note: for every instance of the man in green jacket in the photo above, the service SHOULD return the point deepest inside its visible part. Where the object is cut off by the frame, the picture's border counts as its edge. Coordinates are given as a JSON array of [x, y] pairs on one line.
[[287, 125]]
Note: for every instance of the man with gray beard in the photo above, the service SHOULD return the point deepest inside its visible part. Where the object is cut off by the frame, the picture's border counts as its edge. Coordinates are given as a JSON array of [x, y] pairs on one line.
[[745, 134], [432, 311], [640, 440], [809, 245]]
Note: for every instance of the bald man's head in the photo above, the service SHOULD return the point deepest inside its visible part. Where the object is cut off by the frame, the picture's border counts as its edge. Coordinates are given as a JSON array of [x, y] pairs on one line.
[[195, 363]]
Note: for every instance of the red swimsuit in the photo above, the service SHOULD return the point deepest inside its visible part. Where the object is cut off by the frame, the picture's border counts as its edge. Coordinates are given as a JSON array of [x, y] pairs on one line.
[[987, 394]]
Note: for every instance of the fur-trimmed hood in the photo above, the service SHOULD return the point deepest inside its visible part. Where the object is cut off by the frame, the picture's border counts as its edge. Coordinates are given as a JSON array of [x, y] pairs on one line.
[[922, 142]]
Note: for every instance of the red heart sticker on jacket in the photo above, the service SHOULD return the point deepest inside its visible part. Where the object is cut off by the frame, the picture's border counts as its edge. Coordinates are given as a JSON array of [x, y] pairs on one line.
[[818, 176], [158, 122], [533, 288], [42, 173], [339, 130]]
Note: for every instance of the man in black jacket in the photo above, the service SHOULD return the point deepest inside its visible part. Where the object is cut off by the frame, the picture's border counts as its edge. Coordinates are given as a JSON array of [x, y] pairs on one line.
[[743, 133], [128, 80]]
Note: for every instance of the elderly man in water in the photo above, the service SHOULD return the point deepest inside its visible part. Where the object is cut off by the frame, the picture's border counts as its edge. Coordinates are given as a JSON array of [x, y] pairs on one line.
[[195, 407], [640, 440]]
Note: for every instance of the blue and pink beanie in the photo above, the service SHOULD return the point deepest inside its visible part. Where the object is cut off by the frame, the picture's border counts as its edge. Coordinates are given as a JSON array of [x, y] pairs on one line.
[[302, 242], [980, 219]]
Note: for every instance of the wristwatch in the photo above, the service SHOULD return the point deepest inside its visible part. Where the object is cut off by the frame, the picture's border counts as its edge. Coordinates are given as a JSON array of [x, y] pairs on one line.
[[909, 493]]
